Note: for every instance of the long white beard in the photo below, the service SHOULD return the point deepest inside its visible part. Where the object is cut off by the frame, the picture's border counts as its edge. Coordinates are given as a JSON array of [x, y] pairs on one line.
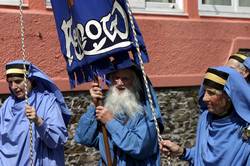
[[124, 102]]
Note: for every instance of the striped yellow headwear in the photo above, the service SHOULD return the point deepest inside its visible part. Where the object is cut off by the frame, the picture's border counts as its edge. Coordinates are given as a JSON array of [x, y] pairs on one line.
[[215, 79], [16, 70], [240, 57]]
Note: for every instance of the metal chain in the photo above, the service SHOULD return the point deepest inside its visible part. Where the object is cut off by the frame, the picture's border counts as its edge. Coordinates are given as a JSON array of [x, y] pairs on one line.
[[25, 76], [145, 77]]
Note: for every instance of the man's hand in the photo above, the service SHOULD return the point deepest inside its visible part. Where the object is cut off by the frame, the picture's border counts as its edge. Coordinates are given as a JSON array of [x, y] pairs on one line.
[[96, 93], [103, 114], [168, 147], [32, 116]]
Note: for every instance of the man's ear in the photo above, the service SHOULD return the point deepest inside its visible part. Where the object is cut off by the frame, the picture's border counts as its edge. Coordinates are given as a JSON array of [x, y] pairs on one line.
[[31, 82], [245, 73]]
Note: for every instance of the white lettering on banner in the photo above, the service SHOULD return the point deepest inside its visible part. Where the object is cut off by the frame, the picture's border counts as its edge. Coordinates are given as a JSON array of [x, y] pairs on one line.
[[98, 27], [66, 27], [78, 38], [79, 41]]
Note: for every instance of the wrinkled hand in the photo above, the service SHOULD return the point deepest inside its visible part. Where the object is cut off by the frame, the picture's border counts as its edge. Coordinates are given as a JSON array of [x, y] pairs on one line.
[[32, 116], [168, 147], [103, 114], [96, 93]]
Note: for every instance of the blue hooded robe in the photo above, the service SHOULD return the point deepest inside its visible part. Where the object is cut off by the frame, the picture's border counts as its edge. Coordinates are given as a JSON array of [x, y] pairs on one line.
[[219, 142], [246, 63], [48, 139], [132, 142]]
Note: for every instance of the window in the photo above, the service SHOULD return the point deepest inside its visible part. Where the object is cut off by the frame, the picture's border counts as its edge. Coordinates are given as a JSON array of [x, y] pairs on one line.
[[152, 6], [157, 6], [217, 2], [244, 3], [10, 2], [13, 2], [48, 4], [231, 8]]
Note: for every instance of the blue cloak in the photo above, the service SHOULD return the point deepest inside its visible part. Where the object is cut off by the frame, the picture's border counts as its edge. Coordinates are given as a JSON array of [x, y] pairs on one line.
[[135, 142], [48, 139], [219, 141]]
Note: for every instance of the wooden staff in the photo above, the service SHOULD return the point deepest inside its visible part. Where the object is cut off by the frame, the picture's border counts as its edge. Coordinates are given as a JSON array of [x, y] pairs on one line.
[[104, 132], [70, 3], [99, 103]]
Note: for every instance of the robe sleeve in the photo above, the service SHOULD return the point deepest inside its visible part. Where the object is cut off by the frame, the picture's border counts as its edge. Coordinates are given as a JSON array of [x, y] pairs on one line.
[[86, 131], [189, 155], [53, 131], [139, 142], [248, 160]]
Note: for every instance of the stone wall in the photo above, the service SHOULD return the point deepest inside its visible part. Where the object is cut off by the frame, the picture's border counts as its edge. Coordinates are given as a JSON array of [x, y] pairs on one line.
[[179, 109]]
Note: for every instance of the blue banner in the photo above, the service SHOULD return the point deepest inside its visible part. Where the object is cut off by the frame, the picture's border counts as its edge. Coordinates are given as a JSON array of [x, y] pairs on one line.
[[90, 32]]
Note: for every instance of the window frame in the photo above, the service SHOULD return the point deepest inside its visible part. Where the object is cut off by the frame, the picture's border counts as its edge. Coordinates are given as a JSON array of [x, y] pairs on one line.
[[13, 3], [222, 10], [141, 6], [10, 2], [48, 4]]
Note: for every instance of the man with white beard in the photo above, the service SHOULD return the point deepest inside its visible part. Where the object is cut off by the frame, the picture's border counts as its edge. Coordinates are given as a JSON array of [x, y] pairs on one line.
[[236, 61], [124, 89], [131, 131]]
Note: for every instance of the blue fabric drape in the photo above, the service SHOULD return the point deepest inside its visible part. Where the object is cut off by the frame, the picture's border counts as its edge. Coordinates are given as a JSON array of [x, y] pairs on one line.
[[219, 142], [91, 31]]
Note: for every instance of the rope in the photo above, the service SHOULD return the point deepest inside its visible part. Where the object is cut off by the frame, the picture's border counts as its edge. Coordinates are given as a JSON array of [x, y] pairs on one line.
[[25, 76], [144, 76]]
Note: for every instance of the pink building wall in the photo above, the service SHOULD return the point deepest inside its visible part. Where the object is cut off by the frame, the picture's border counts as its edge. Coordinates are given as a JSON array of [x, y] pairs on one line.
[[180, 47]]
